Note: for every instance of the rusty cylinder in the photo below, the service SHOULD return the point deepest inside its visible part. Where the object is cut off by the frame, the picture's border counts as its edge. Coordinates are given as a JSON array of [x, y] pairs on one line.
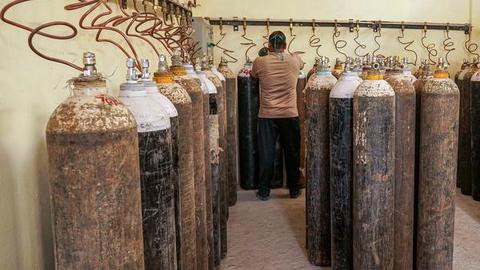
[[202, 188], [248, 107], [186, 222], [373, 168], [341, 167], [404, 166], [317, 169], [475, 124], [458, 79], [465, 133], [223, 129], [214, 133], [232, 130], [157, 187], [438, 156], [301, 83], [94, 178]]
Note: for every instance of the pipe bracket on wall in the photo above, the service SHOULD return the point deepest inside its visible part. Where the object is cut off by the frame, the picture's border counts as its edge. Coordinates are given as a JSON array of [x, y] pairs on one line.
[[466, 28]]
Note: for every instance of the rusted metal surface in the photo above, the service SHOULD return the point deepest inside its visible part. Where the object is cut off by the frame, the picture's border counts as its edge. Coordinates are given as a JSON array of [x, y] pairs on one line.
[[232, 132], [373, 184], [202, 187], [404, 168], [475, 124], [176, 186], [461, 140], [301, 83], [94, 177], [317, 169], [436, 202], [190, 225], [465, 150]]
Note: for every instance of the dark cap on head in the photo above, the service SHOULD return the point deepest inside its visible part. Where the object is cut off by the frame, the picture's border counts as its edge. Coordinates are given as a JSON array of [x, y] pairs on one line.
[[277, 40]]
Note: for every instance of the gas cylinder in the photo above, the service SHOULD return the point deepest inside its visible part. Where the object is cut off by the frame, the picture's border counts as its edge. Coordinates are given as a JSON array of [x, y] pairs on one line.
[[317, 169], [475, 126], [232, 131], [461, 140], [404, 164], [341, 166], [185, 233], [154, 142], [373, 168], [202, 187], [366, 66], [248, 107], [94, 178], [208, 88], [223, 131], [438, 155], [419, 85], [465, 133], [214, 132], [183, 103], [313, 70], [338, 68], [418, 73], [301, 83]]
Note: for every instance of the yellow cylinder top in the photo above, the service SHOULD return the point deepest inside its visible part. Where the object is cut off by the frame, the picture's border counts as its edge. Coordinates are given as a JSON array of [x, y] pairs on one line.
[[163, 77], [441, 74], [374, 76], [178, 70]]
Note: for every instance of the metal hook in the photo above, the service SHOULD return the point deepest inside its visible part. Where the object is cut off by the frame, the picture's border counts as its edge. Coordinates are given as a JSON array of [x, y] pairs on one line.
[[407, 43], [432, 52], [314, 41], [448, 44], [250, 42], [293, 37], [265, 44], [339, 44], [377, 28], [357, 35]]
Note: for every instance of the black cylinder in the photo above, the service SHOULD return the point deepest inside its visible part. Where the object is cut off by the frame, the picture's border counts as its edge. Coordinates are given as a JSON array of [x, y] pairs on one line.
[[475, 125], [341, 169], [248, 106], [374, 165]]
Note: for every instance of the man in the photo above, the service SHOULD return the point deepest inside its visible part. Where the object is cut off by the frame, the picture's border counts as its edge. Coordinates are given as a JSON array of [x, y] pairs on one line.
[[278, 115]]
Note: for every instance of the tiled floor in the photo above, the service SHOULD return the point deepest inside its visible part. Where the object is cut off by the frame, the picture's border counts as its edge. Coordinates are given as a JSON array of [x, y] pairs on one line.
[[271, 235]]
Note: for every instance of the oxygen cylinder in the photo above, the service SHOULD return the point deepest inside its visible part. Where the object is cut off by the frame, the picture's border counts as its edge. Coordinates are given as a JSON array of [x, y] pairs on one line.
[[475, 126], [213, 155], [461, 140], [154, 141], [465, 133], [373, 168], [232, 131], [338, 68], [317, 170], [94, 178], [223, 131], [186, 187], [208, 88], [438, 156], [301, 83], [404, 165], [248, 107], [341, 167], [419, 85], [185, 233], [202, 187]]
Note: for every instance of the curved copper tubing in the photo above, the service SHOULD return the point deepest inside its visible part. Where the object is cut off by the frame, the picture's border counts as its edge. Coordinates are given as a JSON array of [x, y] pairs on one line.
[[432, 52], [448, 45], [407, 44], [314, 41], [340, 43], [471, 47], [37, 31]]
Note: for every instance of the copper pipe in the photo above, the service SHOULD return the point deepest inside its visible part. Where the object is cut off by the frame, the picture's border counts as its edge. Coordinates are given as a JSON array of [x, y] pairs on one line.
[[37, 31]]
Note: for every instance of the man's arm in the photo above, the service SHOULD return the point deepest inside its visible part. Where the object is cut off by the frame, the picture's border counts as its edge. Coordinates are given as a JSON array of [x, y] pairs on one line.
[[298, 60], [255, 68]]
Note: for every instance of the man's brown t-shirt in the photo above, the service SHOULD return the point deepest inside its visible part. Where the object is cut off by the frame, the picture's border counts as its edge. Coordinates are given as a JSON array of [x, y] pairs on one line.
[[278, 74]]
